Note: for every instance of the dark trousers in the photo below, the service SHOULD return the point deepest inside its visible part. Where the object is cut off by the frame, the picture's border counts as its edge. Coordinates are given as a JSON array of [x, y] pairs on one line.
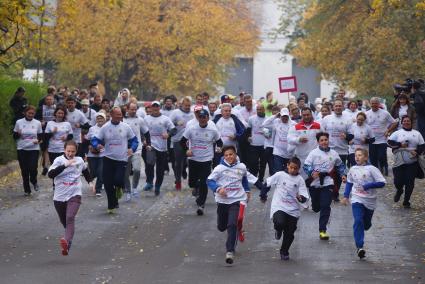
[[170, 156], [227, 218], [113, 177], [28, 162], [378, 156], [321, 199], [362, 222], [351, 160], [268, 156], [288, 225], [96, 171], [179, 161], [279, 163], [244, 148], [404, 180], [53, 156], [161, 162], [198, 174], [257, 161], [67, 210]]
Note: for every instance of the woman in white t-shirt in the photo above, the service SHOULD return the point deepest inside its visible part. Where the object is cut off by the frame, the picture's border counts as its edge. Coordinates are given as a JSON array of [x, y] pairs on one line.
[[407, 144], [57, 132], [66, 173], [28, 135]]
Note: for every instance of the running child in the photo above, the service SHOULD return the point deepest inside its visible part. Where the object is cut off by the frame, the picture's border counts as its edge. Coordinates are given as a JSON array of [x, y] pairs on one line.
[[229, 183], [319, 165], [290, 192], [65, 172], [362, 181]]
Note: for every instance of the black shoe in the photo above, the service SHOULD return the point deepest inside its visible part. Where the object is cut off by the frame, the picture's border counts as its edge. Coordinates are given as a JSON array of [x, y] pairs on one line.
[[27, 193], [200, 210], [406, 205], [361, 253], [44, 172], [398, 195], [277, 234], [284, 256]]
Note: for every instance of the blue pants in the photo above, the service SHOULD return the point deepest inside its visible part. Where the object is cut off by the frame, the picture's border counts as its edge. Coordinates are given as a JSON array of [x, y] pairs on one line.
[[321, 199], [279, 163], [362, 222]]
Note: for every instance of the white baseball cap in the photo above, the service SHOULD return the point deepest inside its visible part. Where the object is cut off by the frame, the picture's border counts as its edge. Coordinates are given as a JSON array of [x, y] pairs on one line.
[[284, 111], [156, 103]]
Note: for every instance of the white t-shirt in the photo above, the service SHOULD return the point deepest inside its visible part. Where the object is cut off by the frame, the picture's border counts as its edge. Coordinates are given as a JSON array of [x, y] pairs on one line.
[[157, 126], [230, 178], [359, 176], [76, 117], [91, 116], [180, 119], [281, 147], [57, 141], [412, 137], [68, 183], [379, 121], [360, 133], [201, 141], [116, 140], [94, 132], [300, 130], [227, 128], [350, 115], [336, 125], [324, 162], [29, 131], [255, 122], [286, 188], [139, 127]]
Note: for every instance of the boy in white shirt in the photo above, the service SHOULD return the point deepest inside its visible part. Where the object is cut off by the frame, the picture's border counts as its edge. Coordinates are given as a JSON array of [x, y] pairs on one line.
[[362, 181], [229, 183], [290, 191]]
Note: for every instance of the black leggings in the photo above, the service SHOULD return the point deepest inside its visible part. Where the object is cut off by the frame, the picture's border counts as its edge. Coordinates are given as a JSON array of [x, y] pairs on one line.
[[287, 224], [404, 178], [28, 162], [227, 218]]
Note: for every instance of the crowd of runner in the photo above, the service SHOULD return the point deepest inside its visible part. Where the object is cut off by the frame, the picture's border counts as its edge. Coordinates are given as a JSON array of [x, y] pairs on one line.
[[309, 148]]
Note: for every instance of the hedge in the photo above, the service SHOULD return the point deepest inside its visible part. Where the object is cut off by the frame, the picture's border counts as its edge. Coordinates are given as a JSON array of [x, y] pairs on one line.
[[34, 92]]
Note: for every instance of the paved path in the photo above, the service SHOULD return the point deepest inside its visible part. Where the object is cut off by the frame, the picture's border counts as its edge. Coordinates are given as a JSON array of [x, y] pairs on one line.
[[161, 240]]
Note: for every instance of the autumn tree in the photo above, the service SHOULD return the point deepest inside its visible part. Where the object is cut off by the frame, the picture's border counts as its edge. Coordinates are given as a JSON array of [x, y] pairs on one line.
[[365, 46], [160, 46]]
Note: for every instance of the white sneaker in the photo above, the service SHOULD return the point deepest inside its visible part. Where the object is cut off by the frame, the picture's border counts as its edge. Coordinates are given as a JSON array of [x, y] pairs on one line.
[[229, 257], [135, 192], [99, 194], [127, 197]]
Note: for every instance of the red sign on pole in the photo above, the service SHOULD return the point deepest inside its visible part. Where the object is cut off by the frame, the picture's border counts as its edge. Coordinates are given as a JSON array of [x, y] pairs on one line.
[[287, 84]]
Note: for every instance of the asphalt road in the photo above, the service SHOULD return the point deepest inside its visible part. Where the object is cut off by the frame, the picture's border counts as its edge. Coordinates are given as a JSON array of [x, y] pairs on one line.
[[161, 240]]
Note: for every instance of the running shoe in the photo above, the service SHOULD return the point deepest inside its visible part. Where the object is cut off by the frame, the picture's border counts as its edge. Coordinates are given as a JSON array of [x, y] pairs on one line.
[[284, 256], [200, 210], [157, 190], [178, 185], [36, 187], [229, 257], [44, 172], [324, 236], [148, 186], [110, 211], [361, 253], [98, 194], [64, 246], [277, 234], [127, 197], [27, 194], [406, 205], [398, 195]]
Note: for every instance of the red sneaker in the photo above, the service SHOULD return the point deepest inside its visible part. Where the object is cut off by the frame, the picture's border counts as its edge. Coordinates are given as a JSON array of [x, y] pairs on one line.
[[178, 185], [64, 245]]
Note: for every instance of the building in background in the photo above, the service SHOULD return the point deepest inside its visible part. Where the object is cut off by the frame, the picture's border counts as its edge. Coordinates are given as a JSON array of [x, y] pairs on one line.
[[260, 74]]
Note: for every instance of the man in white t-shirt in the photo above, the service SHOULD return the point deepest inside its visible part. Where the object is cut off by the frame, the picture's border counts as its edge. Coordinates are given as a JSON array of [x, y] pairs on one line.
[[382, 124], [198, 142]]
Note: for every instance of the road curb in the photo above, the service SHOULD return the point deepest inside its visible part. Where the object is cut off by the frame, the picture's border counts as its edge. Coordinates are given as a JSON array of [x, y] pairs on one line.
[[8, 168]]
